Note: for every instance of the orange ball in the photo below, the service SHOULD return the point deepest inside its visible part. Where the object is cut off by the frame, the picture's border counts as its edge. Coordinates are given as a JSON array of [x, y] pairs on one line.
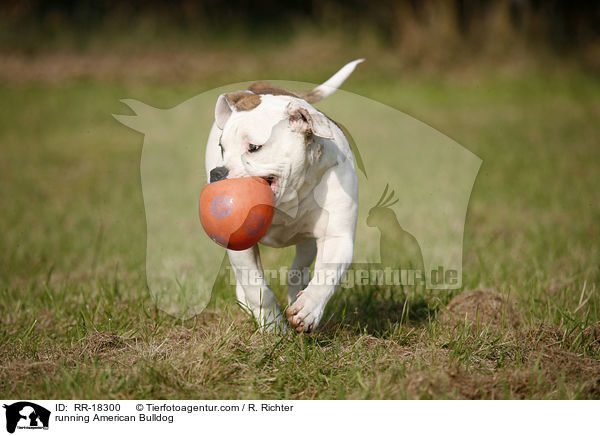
[[236, 213]]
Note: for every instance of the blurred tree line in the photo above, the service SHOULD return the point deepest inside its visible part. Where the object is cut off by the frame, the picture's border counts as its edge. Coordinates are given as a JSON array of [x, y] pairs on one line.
[[559, 24]]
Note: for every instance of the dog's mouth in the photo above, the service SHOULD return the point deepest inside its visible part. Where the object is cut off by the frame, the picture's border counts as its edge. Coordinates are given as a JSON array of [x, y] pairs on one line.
[[272, 181]]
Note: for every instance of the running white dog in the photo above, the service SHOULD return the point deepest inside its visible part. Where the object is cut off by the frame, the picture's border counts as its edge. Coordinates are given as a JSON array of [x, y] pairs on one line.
[[278, 135]]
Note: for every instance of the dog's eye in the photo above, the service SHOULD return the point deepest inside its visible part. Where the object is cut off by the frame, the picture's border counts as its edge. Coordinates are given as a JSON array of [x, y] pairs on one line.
[[253, 147]]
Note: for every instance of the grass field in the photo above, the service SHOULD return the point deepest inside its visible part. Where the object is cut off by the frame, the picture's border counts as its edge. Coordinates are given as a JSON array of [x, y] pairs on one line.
[[77, 320]]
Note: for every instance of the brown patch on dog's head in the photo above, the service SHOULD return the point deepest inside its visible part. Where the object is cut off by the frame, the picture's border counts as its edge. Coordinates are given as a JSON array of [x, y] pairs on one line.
[[267, 88], [242, 100], [311, 96]]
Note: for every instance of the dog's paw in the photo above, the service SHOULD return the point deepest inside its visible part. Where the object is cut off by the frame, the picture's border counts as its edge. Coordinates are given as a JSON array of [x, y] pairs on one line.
[[304, 315]]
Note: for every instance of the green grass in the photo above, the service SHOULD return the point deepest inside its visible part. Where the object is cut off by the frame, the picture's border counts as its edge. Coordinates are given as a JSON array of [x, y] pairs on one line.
[[77, 320]]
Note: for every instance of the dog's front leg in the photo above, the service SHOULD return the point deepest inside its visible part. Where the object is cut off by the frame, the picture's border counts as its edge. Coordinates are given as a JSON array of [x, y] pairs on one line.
[[251, 287], [299, 274], [334, 255]]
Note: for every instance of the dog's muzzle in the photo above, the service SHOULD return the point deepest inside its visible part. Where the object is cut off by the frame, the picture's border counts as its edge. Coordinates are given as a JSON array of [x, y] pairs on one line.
[[218, 173]]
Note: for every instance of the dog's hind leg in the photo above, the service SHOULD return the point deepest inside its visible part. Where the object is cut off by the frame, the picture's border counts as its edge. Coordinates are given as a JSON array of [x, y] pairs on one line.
[[252, 289], [299, 274]]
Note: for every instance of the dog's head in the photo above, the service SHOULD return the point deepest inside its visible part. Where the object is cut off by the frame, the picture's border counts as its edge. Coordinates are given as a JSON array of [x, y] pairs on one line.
[[276, 135]]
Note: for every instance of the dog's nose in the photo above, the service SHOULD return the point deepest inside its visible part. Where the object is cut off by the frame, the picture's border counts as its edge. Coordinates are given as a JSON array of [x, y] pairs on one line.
[[218, 173]]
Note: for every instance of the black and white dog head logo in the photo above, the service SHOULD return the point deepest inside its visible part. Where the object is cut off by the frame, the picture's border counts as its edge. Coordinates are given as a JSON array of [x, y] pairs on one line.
[[26, 415]]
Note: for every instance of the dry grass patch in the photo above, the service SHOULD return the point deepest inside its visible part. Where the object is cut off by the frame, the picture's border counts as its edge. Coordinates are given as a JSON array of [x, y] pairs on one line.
[[481, 307]]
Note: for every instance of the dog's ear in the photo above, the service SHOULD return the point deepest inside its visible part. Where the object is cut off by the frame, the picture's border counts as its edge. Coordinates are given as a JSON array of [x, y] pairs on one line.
[[223, 111], [234, 101], [309, 122]]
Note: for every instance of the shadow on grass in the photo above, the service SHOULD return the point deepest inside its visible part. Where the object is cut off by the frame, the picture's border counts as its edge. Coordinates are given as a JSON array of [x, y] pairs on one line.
[[378, 311]]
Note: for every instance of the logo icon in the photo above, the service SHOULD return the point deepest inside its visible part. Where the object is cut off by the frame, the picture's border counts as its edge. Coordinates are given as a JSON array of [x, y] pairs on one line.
[[26, 415], [221, 206], [254, 224]]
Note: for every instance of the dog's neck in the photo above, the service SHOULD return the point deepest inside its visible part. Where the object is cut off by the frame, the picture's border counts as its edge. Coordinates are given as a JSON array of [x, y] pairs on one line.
[[322, 156]]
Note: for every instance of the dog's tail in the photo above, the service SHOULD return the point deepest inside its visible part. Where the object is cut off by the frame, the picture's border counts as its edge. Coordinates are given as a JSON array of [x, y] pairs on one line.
[[331, 85]]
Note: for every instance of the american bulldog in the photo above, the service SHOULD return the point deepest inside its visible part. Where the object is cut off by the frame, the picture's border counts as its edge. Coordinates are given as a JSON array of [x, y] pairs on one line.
[[278, 135]]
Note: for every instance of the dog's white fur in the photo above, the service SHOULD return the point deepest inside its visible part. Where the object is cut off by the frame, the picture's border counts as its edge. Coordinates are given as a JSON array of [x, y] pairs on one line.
[[316, 196]]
